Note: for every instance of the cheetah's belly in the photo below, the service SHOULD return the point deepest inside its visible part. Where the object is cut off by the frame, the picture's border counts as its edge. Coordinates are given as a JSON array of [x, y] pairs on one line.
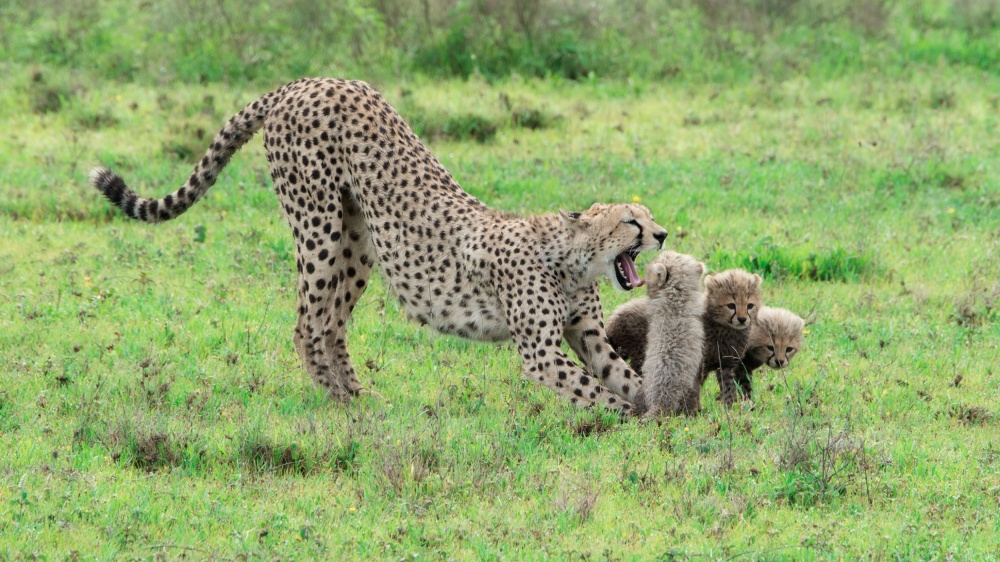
[[456, 307], [438, 289]]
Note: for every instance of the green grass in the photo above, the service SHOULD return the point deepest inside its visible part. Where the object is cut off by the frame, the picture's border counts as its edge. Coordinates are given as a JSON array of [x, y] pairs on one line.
[[153, 405], [688, 41]]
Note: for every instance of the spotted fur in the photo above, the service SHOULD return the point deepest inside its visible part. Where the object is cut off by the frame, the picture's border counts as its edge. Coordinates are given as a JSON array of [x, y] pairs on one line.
[[358, 188]]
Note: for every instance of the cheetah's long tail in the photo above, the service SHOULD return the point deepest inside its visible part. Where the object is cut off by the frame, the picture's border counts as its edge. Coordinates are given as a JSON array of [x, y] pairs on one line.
[[237, 131]]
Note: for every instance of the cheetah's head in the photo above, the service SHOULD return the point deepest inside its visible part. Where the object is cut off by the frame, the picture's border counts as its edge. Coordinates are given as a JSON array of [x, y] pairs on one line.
[[776, 336], [617, 233]]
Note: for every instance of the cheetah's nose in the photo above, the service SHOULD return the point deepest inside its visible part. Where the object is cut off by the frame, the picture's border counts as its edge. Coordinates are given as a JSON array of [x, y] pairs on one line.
[[742, 319], [780, 362], [660, 237]]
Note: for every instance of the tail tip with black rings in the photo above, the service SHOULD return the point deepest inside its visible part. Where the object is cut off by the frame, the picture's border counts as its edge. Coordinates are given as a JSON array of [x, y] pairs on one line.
[[109, 183]]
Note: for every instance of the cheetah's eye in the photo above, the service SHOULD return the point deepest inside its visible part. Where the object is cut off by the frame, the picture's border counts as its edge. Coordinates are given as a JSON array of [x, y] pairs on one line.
[[749, 305], [770, 348], [632, 222], [789, 350], [732, 306]]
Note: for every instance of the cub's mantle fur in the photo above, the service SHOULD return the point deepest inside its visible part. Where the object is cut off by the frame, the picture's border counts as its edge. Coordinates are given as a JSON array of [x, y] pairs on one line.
[[676, 335]]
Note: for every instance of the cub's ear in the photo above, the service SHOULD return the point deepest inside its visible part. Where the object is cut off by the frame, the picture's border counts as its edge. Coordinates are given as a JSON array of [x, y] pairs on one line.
[[702, 266], [799, 324], [711, 282], [757, 280], [658, 275]]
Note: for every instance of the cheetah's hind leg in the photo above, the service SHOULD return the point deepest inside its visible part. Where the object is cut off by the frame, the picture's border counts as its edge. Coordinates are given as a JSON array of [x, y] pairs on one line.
[[347, 283], [322, 259]]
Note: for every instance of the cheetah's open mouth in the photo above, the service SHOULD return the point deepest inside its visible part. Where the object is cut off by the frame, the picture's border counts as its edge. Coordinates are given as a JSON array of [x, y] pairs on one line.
[[625, 273]]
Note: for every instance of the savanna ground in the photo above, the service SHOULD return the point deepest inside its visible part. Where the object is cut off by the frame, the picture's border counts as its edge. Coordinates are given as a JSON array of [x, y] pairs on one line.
[[152, 404]]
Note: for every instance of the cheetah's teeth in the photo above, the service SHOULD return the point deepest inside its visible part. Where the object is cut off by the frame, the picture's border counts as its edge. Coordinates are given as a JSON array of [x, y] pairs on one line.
[[627, 275]]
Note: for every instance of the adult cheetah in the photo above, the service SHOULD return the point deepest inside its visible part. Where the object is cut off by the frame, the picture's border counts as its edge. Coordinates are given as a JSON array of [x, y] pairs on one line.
[[359, 188]]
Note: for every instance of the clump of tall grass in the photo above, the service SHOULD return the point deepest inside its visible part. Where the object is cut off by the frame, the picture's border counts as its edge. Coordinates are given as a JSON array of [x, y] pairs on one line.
[[769, 259]]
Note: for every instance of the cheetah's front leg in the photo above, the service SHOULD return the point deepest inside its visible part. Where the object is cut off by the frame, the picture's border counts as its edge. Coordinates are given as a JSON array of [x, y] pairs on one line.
[[538, 335], [549, 366], [728, 390], [586, 336], [743, 381]]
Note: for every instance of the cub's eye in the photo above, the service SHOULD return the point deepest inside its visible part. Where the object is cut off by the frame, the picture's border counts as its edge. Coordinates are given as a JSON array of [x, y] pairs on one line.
[[789, 350], [732, 306], [749, 306], [770, 348]]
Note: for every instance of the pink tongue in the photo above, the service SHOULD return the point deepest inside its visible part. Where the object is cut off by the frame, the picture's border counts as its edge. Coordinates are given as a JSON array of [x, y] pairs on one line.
[[629, 266]]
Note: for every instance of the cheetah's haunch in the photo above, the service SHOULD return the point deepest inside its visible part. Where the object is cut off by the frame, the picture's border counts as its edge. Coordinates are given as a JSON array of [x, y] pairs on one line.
[[358, 188]]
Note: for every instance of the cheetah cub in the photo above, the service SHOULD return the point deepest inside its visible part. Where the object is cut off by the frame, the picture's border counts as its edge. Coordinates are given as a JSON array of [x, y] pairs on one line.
[[775, 337], [627, 329], [732, 304], [675, 306]]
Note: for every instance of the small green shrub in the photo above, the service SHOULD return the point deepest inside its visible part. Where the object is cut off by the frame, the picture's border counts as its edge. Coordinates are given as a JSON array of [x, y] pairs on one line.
[[469, 126], [93, 119], [259, 453], [462, 127], [137, 443], [451, 54], [483, 43], [45, 94], [530, 118]]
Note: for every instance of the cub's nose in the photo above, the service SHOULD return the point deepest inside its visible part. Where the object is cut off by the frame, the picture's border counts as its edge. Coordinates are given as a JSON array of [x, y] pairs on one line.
[[660, 237], [742, 319]]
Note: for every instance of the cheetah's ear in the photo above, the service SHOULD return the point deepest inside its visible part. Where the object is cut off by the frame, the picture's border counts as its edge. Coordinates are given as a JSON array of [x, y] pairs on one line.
[[658, 275], [711, 282], [702, 266], [756, 280], [569, 217]]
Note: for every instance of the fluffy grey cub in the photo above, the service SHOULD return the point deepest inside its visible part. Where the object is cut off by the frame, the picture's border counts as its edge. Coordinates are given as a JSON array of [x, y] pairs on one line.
[[674, 311]]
